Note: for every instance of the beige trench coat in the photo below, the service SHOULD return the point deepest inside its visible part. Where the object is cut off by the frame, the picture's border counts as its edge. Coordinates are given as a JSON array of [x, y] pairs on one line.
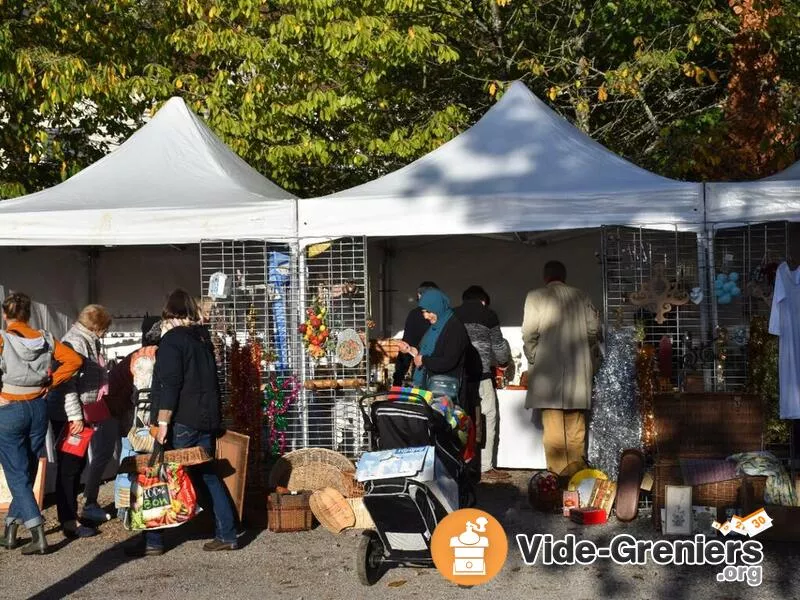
[[559, 335]]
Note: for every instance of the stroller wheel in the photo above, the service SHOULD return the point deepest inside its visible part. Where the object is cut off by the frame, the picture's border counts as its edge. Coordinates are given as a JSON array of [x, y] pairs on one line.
[[369, 558]]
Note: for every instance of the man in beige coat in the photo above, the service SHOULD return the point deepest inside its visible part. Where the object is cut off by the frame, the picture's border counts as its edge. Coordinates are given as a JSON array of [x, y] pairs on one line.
[[559, 333]]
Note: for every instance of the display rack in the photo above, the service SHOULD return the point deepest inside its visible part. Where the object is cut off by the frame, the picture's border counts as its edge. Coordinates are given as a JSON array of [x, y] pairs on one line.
[[334, 275], [630, 258]]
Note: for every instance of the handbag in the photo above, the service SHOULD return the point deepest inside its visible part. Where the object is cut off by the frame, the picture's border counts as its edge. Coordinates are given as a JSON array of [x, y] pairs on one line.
[[139, 433], [97, 411], [444, 385], [161, 497]]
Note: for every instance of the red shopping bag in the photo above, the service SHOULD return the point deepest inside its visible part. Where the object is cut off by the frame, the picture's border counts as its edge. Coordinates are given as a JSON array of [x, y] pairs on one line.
[[161, 497]]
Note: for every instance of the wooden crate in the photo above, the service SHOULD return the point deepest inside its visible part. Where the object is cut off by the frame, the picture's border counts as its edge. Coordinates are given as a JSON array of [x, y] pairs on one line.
[[289, 512], [707, 424]]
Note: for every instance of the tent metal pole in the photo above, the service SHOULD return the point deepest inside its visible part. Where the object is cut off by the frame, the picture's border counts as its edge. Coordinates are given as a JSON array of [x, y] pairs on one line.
[[301, 308]]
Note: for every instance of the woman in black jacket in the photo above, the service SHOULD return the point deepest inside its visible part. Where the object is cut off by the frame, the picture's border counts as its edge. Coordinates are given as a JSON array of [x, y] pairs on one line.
[[443, 349], [186, 404]]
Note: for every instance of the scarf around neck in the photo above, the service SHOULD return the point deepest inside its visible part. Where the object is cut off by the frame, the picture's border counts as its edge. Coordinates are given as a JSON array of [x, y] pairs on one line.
[[436, 302]]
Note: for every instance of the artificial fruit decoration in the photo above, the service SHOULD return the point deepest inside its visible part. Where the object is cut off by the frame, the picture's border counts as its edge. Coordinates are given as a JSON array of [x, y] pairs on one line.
[[315, 329]]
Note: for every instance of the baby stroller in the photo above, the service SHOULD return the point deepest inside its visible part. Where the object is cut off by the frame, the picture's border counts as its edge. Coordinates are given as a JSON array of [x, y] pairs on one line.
[[406, 511]]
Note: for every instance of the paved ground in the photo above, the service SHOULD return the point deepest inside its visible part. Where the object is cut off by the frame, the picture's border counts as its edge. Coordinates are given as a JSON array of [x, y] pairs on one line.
[[318, 565]]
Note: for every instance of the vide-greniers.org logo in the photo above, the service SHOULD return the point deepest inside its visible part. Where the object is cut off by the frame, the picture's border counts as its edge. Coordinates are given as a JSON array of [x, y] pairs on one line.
[[742, 558]]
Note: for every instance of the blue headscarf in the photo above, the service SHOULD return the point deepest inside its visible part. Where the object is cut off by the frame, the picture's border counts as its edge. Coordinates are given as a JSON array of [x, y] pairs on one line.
[[434, 301]]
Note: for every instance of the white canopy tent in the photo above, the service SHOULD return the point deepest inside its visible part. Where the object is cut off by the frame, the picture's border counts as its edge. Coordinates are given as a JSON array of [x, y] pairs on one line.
[[522, 167], [171, 182], [775, 198]]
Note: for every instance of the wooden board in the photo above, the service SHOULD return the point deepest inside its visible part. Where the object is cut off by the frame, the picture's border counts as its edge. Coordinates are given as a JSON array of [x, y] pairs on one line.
[[231, 455], [38, 487]]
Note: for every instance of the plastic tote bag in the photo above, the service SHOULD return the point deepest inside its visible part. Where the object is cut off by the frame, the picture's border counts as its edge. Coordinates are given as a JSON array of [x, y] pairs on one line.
[[161, 497]]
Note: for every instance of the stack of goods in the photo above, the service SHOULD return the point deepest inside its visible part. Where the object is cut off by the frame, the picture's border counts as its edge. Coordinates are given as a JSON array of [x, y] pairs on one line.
[[695, 433], [296, 479]]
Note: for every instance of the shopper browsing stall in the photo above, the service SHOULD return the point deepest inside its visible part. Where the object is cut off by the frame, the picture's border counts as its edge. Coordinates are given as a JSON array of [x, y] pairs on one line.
[[483, 328], [185, 403], [440, 358], [559, 329], [26, 356], [415, 327], [77, 408]]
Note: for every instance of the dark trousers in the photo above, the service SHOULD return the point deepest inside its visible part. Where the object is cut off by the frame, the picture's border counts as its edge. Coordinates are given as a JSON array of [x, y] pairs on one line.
[[206, 483], [68, 479]]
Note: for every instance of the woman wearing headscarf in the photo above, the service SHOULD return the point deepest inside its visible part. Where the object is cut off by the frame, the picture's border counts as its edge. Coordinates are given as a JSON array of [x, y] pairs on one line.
[[440, 358]]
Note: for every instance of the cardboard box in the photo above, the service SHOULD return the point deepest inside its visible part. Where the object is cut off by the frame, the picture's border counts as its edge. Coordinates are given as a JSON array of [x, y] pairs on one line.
[[419, 464]]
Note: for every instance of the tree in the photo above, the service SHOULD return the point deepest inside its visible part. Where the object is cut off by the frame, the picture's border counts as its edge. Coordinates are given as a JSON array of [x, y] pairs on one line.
[[320, 95]]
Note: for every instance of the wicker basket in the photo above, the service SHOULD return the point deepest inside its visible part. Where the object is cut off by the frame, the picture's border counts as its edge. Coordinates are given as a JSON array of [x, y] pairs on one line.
[[721, 494], [184, 456], [363, 520], [332, 510], [311, 469], [352, 487], [289, 512]]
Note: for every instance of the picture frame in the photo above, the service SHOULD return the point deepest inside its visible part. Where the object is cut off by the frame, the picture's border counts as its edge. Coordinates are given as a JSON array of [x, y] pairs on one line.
[[38, 486], [678, 511], [231, 462], [702, 517]]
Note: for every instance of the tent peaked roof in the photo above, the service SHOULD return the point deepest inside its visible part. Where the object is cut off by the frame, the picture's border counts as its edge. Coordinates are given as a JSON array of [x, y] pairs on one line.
[[521, 167], [773, 198], [172, 181]]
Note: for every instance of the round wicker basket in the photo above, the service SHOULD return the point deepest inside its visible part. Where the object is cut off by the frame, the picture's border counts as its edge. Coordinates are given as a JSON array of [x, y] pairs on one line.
[[312, 469], [332, 510], [363, 520]]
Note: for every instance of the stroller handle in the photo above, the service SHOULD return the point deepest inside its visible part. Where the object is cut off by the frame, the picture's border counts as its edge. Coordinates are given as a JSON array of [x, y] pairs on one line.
[[365, 404]]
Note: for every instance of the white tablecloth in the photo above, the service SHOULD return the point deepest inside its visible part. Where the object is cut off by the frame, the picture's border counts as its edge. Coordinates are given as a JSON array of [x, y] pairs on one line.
[[520, 434]]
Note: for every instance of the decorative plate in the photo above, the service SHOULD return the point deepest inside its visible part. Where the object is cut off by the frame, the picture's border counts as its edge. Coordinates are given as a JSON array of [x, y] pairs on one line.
[[349, 348]]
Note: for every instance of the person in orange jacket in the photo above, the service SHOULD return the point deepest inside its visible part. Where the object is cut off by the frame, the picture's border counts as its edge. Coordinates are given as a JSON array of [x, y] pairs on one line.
[[26, 375]]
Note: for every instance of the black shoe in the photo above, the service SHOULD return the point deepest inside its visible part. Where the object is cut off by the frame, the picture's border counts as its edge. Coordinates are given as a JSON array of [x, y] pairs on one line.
[[9, 540], [81, 531], [38, 544], [217, 545], [141, 549]]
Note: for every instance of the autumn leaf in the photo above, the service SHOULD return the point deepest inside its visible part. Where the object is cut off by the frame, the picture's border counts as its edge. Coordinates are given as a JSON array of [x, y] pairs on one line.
[[552, 93], [602, 94], [492, 89], [397, 583]]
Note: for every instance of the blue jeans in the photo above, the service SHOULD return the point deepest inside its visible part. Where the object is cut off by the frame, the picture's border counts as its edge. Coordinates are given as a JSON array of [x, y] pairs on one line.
[[206, 482], [23, 429]]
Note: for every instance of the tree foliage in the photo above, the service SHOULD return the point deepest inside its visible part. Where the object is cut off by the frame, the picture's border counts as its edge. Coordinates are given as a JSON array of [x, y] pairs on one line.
[[320, 95]]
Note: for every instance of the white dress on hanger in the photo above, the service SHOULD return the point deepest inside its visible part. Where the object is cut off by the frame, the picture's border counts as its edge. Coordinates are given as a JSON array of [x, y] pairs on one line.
[[784, 321]]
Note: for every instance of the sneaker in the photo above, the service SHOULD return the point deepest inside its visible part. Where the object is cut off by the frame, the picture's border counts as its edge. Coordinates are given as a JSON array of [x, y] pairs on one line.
[[93, 512], [217, 545]]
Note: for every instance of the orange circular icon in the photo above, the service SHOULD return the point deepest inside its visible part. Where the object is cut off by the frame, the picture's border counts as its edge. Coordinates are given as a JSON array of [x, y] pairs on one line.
[[469, 547]]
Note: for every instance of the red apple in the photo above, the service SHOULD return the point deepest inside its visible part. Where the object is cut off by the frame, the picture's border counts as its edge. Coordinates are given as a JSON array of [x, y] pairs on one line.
[[302, 328], [315, 322]]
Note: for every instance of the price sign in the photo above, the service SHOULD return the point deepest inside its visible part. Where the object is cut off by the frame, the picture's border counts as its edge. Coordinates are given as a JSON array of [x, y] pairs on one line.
[[757, 522]]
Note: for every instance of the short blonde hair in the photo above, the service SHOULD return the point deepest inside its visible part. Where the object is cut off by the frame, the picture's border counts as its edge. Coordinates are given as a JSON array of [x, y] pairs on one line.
[[95, 318]]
